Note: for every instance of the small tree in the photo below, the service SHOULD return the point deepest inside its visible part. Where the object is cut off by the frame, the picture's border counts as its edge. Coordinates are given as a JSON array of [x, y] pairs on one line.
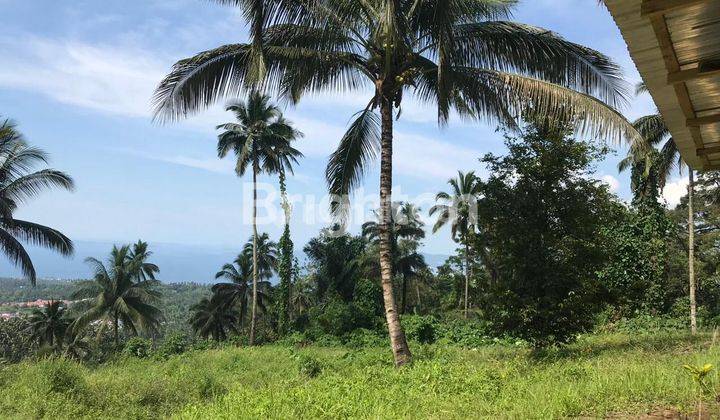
[[543, 216]]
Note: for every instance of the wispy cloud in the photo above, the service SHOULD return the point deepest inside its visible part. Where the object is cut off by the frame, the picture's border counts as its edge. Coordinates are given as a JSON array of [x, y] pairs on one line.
[[100, 77]]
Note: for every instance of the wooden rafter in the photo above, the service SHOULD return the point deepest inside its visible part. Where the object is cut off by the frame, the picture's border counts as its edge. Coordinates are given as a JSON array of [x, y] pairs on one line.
[[706, 120], [651, 8], [708, 150], [706, 69]]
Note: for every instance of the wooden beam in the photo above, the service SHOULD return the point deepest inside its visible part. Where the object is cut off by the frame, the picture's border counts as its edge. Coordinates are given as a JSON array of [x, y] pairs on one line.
[[704, 69], [697, 122], [660, 7], [708, 150]]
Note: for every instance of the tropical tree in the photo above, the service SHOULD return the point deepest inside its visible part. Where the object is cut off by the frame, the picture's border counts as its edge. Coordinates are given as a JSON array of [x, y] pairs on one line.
[[120, 295], [18, 184], [406, 230], [236, 290], [260, 141], [460, 56], [651, 168], [49, 324], [214, 317], [459, 209], [140, 252]]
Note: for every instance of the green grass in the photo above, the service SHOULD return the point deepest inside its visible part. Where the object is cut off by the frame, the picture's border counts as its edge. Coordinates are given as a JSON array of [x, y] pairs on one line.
[[598, 376]]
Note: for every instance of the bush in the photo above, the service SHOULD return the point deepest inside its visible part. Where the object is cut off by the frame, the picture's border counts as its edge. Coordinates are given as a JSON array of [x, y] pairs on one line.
[[309, 366], [464, 333], [173, 344], [138, 347], [362, 338], [59, 376], [422, 329]]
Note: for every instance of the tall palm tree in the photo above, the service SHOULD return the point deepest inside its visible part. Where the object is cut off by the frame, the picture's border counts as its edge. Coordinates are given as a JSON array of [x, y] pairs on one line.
[[260, 141], [49, 324], [214, 317], [645, 161], [460, 55], [18, 184], [235, 290], [120, 295], [459, 209]]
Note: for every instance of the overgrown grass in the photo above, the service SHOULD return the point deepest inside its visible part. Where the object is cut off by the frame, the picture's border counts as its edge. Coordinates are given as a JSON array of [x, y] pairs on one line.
[[598, 376]]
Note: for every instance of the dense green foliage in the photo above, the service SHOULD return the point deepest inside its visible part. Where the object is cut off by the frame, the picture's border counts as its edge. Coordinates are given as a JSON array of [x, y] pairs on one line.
[[541, 221]]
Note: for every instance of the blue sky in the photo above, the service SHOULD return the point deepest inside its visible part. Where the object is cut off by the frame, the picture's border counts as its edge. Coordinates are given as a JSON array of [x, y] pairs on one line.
[[78, 77]]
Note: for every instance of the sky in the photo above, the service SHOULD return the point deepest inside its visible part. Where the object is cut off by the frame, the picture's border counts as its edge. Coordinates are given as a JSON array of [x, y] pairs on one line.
[[78, 77]]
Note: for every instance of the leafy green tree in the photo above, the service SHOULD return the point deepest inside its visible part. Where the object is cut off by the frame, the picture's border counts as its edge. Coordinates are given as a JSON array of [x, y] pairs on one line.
[[459, 209], [235, 290], [121, 295], [545, 218], [461, 56], [18, 184], [49, 324], [214, 317], [260, 141]]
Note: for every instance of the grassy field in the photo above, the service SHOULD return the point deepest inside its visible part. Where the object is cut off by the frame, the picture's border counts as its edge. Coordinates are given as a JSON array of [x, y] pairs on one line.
[[600, 376]]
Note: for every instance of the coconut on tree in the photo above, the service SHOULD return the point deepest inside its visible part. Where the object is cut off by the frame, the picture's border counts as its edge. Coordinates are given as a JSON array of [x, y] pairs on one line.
[[462, 56]]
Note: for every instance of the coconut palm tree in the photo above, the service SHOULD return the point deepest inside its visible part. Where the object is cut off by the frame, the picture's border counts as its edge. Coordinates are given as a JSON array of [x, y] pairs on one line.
[[651, 168], [235, 290], [459, 209], [141, 253], [49, 324], [260, 141], [18, 184], [120, 295], [214, 317], [461, 55]]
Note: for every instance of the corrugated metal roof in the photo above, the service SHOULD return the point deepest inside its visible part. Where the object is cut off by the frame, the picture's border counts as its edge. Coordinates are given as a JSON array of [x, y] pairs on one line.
[[676, 47]]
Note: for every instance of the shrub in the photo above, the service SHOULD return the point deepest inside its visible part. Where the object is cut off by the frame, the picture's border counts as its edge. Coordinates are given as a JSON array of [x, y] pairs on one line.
[[420, 328], [176, 343], [361, 338], [309, 366], [138, 347]]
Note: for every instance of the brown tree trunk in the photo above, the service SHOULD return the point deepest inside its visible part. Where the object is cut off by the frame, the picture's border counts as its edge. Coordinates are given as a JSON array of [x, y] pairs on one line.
[[691, 252], [417, 292], [403, 294], [253, 312], [401, 351], [467, 276], [115, 331]]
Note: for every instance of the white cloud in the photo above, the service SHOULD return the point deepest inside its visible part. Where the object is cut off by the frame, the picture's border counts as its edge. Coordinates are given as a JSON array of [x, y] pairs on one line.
[[104, 78], [612, 182], [674, 191]]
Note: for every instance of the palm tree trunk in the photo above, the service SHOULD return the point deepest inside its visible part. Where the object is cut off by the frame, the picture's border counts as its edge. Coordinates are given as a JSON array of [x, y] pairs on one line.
[[403, 294], [691, 252], [401, 351], [467, 275], [417, 292], [115, 330], [255, 260]]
